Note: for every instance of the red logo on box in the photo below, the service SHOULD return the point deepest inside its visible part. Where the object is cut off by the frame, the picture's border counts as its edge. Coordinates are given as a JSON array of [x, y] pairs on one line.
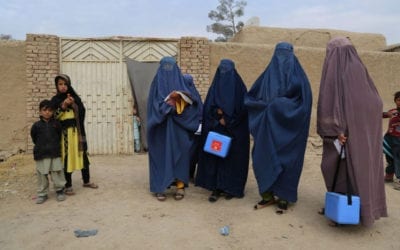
[[216, 145]]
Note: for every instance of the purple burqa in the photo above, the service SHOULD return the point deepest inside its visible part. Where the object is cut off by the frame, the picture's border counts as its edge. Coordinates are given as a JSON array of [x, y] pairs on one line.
[[350, 104]]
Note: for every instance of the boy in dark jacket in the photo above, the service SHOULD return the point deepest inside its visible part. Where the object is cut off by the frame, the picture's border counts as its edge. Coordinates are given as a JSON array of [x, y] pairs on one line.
[[46, 135]]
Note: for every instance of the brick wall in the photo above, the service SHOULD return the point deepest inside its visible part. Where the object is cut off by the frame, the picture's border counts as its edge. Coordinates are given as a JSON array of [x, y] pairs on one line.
[[42, 64], [194, 59], [200, 57]]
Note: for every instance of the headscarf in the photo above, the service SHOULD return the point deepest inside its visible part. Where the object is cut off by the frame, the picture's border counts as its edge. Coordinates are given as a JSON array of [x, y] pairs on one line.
[[78, 107], [226, 89]]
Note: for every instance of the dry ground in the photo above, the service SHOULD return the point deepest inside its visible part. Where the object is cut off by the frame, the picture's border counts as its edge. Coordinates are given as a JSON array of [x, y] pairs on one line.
[[127, 216]]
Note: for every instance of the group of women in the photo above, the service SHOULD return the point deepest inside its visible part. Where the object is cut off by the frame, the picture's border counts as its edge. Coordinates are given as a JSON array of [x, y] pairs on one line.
[[276, 111]]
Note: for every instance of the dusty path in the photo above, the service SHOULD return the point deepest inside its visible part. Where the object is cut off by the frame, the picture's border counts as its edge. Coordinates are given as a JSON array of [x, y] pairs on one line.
[[127, 216]]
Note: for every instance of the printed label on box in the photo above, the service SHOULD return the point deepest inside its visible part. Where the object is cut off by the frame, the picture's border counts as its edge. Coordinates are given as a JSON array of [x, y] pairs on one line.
[[216, 145]]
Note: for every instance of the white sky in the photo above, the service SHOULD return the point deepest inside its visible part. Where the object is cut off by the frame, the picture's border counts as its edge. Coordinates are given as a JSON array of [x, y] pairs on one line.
[[176, 18]]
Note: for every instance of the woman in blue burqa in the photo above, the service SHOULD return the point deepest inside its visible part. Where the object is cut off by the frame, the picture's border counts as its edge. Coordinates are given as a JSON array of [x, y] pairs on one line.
[[279, 105], [196, 147], [224, 112], [172, 119]]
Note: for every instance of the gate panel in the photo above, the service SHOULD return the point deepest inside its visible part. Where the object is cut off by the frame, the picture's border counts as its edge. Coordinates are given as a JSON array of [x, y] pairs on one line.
[[98, 73]]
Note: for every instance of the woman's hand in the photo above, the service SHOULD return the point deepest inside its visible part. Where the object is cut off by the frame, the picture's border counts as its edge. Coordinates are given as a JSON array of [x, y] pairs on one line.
[[174, 95], [342, 139], [222, 121], [220, 114]]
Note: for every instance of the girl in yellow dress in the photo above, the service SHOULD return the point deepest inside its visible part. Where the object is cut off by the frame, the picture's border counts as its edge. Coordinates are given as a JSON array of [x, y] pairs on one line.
[[71, 114]]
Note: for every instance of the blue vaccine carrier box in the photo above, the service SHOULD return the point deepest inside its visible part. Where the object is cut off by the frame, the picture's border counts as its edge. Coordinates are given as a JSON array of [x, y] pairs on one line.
[[338, 209], [217, 144]]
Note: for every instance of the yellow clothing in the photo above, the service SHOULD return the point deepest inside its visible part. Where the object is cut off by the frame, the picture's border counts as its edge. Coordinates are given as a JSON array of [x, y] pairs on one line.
[[180, 184], [70, 143], [180, 106]]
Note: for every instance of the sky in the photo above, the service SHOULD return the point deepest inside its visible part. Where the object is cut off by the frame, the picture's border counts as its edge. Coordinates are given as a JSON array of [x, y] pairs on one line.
[[177, 18]]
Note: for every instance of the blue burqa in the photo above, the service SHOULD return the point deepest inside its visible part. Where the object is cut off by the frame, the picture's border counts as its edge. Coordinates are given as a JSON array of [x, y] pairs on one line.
[[195, 94], [279, 105], [169, 133], [226, 92], [195, 149]]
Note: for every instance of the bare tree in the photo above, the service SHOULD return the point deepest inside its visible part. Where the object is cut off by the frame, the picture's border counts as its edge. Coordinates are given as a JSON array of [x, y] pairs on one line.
[[224, 17]]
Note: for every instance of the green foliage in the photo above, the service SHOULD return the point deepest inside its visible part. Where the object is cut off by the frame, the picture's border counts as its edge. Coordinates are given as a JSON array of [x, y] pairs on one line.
[[224, 17]]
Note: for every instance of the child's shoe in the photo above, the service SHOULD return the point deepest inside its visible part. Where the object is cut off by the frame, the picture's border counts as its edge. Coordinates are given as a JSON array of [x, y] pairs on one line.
[[41, 199], [389, 177], [60, 195]]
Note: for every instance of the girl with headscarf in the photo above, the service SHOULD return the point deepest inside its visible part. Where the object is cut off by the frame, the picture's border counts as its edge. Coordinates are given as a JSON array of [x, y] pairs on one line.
[[70, 111], [350, 110], [279, 105], [224, 112], [172, 119]]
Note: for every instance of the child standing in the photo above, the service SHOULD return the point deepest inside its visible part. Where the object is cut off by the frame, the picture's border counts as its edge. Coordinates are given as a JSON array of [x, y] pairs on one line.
[[46, 135], [391, 143], [70, 111]]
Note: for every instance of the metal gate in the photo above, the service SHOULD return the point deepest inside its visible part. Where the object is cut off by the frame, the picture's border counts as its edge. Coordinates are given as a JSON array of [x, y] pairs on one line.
[[98, 73]]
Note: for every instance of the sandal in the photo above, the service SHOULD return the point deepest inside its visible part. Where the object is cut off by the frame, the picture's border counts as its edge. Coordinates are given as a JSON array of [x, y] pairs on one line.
[[161, 197], [321, 211], [180, 193], [214, 196], [264, 203], [69, 191], [90, 185], [282, 207]]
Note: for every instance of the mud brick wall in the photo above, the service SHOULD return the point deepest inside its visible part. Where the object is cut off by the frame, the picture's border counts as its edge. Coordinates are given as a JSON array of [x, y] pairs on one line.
[[42, 64], [194, 59]]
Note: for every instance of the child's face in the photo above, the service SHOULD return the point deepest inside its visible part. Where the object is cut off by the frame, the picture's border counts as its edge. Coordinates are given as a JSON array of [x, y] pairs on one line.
[[397, 101], [46, 113], [62, 86]]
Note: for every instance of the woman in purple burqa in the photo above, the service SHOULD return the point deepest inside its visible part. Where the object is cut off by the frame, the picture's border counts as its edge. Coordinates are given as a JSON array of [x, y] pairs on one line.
[[350, 110]]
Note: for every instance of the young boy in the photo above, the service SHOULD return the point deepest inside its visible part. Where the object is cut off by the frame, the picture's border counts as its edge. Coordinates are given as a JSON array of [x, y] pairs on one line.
[[391, 143], [46, 135]]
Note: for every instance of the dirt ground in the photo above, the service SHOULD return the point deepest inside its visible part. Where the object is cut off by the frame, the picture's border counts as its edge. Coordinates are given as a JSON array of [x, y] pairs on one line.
[[127, 216]]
